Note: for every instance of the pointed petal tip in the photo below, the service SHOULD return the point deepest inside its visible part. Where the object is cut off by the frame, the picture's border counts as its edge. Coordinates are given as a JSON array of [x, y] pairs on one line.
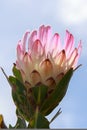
[[69, 34], [80, 43], [67, 31], [26, 34], [43, 26]]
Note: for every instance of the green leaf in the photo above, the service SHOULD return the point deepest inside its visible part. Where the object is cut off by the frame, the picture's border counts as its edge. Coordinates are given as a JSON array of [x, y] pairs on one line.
[[17, 73], [39, 93], [40, 122], [19, 95], [57, 95], [4, 74]]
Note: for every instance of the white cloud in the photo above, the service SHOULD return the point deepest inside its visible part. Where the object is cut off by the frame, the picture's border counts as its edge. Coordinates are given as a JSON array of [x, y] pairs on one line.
[[72, 11]]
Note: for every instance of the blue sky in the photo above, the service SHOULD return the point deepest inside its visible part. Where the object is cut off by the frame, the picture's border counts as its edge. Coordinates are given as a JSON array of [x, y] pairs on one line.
[[20, 15]]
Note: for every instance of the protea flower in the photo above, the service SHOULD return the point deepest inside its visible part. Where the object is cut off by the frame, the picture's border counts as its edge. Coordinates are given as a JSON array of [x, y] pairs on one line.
[[43, 69], [45, 60]]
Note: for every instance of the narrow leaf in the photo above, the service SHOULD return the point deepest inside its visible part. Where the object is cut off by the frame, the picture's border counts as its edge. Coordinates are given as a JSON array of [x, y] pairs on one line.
[[56, 115], [4, 73]]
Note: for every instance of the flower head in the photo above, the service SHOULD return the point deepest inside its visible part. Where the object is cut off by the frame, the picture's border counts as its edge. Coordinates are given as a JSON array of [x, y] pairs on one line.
[[46, 60]]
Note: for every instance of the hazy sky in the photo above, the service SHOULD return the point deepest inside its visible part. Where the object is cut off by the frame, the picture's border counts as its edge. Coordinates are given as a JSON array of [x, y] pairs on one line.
[[16, 17]]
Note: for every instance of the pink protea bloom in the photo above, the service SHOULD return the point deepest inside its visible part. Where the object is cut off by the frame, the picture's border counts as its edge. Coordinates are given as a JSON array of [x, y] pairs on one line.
[[46, 60]]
